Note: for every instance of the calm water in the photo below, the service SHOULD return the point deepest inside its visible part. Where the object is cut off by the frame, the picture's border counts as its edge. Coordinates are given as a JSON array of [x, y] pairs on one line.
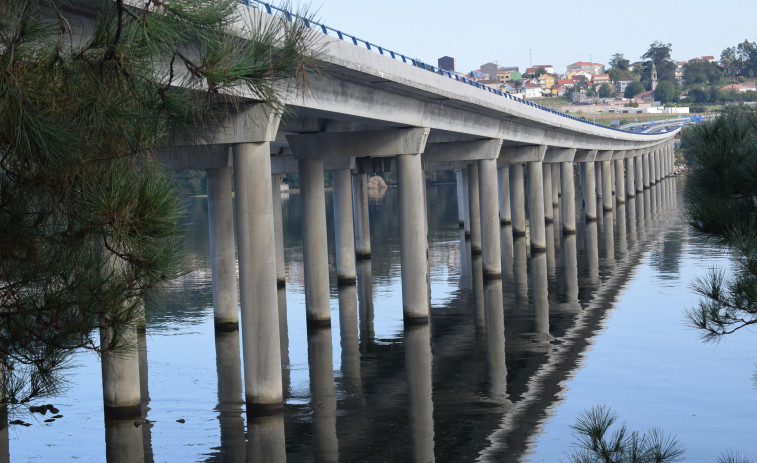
[[500, 373]]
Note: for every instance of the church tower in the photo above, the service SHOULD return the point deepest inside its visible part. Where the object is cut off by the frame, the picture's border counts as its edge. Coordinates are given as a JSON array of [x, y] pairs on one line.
[[654, 77]]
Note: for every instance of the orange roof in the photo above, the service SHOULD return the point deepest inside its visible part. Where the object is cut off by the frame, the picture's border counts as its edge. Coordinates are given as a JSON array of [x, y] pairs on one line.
[[584, 63]]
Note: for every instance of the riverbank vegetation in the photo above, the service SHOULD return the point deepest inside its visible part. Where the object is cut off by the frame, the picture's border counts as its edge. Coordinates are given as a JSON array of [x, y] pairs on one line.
[[89, 221]]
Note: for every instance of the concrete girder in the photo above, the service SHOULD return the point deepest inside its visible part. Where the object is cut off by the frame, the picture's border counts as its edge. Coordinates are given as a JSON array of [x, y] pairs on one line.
[[370, 143], [556, 155], [462, 151], [619, 154], [521, 154], [585, 156], [604, 155]]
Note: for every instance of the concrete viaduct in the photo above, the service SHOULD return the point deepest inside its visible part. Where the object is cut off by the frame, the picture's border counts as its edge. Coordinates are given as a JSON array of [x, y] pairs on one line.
[[372, 110]]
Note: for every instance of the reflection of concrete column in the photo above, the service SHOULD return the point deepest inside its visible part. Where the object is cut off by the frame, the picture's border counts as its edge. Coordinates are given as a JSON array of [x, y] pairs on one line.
[[415, 296], [505, 215], [570, 270], [460, 198], [365, 300], [549, 230], [620, 183], [507, 251], [592, 253], [518, 199], [420, 401], [631, 220], [536, 207], [466, 203], [620, 219], [478, 294], [568, 198], [223, 262], [278, 229], [344, 235], [547, 177], [5, 456], [284, 339], [647, 207], [314, 242], [540, 296], [253, 209], [474, 209], [123, 441], [265, 438], [362, 227], [590, 191], [606, 185], [348, 337], [465, 262], [322, 395], [230, 401], [495, 341], [609, 239], [520, 269], [490, 222], [639, 175], [630, 178]]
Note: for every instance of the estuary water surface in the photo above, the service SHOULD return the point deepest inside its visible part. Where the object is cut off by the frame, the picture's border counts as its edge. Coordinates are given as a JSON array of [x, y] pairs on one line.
[[499, 374]]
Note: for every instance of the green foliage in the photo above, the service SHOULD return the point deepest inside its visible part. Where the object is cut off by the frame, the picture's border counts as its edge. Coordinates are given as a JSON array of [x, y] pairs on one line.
[[721, 200], [698, 71], [665, 92], [606, 90], [659, 54], [633, 89], [601, 440], [89, 221]]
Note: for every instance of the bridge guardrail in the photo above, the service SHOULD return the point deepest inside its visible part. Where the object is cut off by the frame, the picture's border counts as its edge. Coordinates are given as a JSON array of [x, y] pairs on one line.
[[330, 31]]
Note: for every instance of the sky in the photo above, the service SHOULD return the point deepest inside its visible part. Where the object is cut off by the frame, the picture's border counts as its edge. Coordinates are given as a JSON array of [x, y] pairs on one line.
[[525, 33]]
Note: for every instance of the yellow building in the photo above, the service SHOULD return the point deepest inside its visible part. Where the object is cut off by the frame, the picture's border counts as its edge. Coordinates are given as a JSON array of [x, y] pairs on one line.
[[546, 81]]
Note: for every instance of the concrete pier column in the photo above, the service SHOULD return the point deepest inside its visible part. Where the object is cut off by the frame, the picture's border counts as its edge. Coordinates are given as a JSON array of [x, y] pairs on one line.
[[653, 167], [278, 229], [490, 222], [598, 178], [607, 202], [223, 262], [344, 235], [548, 209], [474, 209], [466, 204], [314, 242], [556, 185], [505, 215], [620, 181], [418, 369], [645, 168], [536, 207], [362, 227], [256, 246], [658, 166], [460, 198], [568, 198], [410, 178], [639, 175], [630, 178], [518, 199], [365, 301], [230, 413], [590, 191], [120, 374]]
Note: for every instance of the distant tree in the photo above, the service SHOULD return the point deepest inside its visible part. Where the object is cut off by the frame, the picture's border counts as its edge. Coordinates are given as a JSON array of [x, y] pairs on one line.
[[699, 71], [721, 200], [665, 92], [633, 89], [606, 90], [539, 71], [698, 95], [730, 62], [619, 62], [659, 54]]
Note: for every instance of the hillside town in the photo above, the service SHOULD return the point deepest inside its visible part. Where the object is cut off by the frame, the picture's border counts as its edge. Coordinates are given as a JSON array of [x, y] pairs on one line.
[[655, 85]]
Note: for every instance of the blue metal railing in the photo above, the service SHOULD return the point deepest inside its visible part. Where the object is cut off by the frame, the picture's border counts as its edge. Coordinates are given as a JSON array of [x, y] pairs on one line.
[[330, 31]]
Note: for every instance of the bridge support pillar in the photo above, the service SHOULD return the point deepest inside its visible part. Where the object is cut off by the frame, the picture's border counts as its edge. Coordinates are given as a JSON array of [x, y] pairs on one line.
[[505, 214], [460, 198], [607, 185], [490, 222], [474, 209], [223, 263], [518, 199], [547, 176], [256, 250], [536, 207], [415, 296], [362, 225], [120, 375], [314, 242], [556, 187], [620, 182], [465, 203], [568, 215], [343, 227], [658, 165], [278, 229], [589, 188], [639, 175], [645, 167], [630, 178]]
